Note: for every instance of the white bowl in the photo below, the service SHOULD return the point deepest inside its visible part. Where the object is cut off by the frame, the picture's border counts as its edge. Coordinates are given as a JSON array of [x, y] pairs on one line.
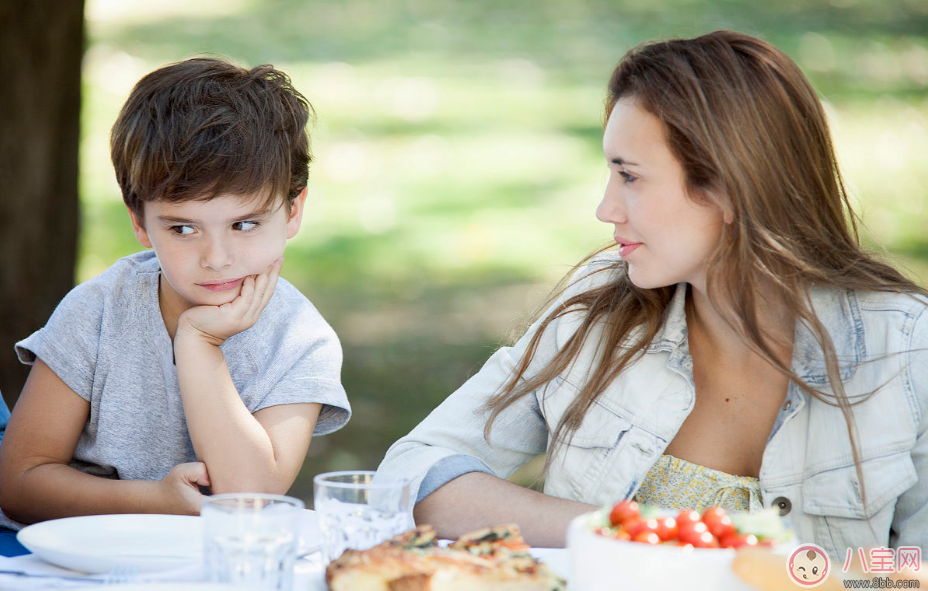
[[600, 563]]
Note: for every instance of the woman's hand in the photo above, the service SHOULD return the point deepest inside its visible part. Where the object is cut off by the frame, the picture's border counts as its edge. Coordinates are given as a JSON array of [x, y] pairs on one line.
[[179, 491], [214, 324]]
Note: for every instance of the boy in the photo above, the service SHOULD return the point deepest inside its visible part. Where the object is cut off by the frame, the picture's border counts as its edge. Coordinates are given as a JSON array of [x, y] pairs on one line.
[[193, 365]]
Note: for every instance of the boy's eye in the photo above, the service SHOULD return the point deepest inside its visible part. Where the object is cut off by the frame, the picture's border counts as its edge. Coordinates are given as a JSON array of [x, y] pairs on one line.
[[245, 225], [182, 230]]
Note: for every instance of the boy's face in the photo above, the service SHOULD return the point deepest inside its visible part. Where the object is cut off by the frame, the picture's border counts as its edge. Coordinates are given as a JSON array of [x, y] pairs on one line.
[[207, 248]]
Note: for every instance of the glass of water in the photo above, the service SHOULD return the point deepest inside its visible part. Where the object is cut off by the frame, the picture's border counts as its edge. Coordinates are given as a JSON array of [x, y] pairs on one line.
[[251, 539], [358, 511]]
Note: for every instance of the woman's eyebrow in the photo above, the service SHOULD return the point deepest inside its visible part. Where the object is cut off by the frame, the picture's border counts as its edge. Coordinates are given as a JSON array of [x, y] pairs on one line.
[[623, 162]]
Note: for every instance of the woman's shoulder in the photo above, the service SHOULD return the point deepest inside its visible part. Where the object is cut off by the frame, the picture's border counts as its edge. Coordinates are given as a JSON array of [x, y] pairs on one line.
[[898, 314], [600, 270], [909, 303]]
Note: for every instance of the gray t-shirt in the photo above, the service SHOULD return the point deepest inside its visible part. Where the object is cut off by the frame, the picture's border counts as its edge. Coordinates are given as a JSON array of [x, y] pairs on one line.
[[107, 341]]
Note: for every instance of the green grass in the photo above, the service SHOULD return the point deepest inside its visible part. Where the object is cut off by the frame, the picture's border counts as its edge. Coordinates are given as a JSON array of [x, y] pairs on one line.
[[458, 156]]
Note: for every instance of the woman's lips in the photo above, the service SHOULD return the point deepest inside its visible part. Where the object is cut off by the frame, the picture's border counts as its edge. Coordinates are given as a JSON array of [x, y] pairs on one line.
[[625, 246], [222, 285]]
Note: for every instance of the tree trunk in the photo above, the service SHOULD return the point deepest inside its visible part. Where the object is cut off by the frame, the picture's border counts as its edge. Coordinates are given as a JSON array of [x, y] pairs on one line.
[[41, 45]]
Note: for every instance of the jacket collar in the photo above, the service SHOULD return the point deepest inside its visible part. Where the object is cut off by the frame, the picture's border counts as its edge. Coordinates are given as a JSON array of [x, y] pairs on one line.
[[837, 310]]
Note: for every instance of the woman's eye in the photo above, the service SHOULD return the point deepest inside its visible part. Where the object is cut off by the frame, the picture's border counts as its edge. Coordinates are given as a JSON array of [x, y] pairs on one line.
[[182, 230], [626, 177], [245, 225]]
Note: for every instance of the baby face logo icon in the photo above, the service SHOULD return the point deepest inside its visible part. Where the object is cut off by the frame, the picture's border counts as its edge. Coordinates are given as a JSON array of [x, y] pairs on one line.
[[808, 565]]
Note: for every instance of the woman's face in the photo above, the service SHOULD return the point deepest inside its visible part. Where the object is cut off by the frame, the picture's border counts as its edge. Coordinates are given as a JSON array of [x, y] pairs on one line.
[[664, 236]]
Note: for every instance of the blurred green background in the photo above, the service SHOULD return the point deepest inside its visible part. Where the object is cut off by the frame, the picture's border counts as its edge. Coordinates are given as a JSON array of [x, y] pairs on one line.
[[458, 156]]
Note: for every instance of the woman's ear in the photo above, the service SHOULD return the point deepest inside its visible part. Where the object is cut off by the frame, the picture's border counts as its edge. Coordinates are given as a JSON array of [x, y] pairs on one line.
[[724, 202], [727, 214], [296, 214], [139, 229]]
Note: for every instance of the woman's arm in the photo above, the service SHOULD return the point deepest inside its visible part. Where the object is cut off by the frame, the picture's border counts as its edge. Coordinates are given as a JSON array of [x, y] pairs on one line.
[[440, 455], [910, 523], [477, 500], [36, 481]]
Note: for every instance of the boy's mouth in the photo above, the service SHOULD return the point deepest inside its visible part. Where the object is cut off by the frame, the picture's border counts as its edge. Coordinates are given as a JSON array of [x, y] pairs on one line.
[[222, 284]]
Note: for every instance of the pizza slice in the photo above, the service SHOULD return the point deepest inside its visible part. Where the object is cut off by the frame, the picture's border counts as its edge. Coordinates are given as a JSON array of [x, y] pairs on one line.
[[492, 558]]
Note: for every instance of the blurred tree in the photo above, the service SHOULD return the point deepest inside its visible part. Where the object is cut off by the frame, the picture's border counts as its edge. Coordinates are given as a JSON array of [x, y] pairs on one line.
[[41, 45]]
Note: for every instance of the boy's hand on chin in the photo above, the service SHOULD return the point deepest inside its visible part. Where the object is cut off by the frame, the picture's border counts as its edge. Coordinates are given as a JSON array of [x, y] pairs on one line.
[[214, 324]]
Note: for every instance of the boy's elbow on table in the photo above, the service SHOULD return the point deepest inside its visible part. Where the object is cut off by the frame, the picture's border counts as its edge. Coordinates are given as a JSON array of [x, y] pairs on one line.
[[10, 505], [250, 484]]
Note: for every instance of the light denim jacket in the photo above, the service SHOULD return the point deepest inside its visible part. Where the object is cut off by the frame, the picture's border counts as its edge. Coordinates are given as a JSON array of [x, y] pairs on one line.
[[807, 470]]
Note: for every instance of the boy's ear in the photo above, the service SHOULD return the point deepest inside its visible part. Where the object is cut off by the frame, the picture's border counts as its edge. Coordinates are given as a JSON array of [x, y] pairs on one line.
[[140, 234], [296, 214]]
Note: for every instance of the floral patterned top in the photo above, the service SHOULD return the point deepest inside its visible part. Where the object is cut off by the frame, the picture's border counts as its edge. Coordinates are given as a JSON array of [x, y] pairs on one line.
[[673, 483]]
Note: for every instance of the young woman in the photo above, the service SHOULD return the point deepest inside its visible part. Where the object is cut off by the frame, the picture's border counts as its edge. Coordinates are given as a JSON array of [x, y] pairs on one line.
[[738, 348]]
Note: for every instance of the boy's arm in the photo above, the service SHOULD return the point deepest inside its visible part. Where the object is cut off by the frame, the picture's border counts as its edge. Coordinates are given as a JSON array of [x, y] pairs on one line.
[[37, 482], [243, 452]]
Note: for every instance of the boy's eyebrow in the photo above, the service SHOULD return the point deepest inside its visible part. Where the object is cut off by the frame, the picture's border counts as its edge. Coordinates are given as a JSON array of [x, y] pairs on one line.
[[260, 213], [169, 219]]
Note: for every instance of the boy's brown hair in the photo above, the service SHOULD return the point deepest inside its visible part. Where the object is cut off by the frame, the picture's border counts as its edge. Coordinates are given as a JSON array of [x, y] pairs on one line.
[[204, 127]]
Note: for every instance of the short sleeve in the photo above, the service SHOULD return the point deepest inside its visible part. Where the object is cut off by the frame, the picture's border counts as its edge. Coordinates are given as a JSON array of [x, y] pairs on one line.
[[316, 377], [301, 359], [68, 344]]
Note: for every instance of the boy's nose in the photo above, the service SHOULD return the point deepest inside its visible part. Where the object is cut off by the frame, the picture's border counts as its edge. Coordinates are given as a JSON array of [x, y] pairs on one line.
[[216, 256]]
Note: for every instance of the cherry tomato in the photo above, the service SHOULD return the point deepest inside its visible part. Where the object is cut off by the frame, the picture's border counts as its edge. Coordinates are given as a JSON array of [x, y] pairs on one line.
[[624, 511], [647, 537], [636, 526], [705, 540], [667, 528], [690, 532], [622, 535], [604, 531], [738, 540], [718, 521], [688, 516], [714, 510], [723, 527], [687, 525]]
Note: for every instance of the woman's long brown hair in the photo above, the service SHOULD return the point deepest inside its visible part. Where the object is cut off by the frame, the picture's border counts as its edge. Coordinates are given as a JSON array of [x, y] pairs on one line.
[[751, 135]]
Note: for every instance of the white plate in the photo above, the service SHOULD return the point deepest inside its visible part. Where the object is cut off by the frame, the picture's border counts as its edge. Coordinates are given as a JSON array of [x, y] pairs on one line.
[[555, 558], [97, 543], [169, 587]]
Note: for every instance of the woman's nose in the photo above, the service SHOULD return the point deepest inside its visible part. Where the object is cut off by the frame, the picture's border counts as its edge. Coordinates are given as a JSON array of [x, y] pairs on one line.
[[611, 209]]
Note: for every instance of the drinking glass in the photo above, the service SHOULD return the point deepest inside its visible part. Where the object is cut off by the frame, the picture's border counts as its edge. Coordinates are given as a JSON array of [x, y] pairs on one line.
[[251, 539], [358, 511]]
